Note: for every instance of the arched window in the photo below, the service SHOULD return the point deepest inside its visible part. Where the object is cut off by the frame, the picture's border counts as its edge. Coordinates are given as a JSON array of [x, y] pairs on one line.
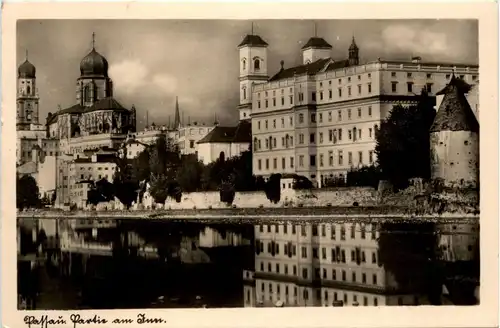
[[244, 92], [28, 89], [244, 64], [256, 64], [287, 140], [86, 94], [255, 144], [301, 118], [222, 156], [28, 114], [270, 142]]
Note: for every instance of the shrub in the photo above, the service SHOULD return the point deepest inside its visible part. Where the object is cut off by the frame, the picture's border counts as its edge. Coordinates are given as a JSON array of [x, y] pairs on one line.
[[273, 188]]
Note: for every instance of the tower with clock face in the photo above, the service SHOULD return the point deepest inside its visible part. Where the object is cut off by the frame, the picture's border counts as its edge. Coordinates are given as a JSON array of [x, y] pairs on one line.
[[27, 96]]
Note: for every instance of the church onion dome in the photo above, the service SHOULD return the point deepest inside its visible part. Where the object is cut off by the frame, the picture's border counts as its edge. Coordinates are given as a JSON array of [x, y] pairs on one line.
[[253, 41], [94, 64], [26, 71], [318, 43], [454, 113], [353, 45]]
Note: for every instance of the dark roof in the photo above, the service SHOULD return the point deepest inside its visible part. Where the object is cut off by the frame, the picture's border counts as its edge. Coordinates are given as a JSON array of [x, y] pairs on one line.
[[108, 103], [337, 64], [316, 42], [229, 134], [243, 132], [311, 68], [253, 40], [463, 86], [454, 113]]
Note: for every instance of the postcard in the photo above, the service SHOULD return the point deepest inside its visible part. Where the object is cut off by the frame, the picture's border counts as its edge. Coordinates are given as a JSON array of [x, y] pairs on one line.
[[256, 165]]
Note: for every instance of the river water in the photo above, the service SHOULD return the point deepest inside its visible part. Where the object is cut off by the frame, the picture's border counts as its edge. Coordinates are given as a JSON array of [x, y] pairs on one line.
[[117, 264]]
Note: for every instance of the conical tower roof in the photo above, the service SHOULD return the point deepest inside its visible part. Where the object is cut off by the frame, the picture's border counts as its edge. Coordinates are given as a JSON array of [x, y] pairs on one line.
[[454, 113]]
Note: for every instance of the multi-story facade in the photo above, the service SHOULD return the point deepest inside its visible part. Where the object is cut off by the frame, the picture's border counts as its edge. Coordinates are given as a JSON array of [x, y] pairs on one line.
[[321, 265], [319, 119]]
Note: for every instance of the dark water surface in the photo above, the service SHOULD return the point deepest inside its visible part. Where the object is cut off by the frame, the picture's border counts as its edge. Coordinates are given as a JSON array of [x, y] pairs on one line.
[[113, 264]]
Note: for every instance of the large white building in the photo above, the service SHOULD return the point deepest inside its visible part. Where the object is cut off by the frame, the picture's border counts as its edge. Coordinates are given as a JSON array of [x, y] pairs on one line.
[[318, 119]]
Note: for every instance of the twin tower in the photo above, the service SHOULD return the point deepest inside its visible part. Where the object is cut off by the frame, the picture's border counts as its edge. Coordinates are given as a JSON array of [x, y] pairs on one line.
[[253, 64]]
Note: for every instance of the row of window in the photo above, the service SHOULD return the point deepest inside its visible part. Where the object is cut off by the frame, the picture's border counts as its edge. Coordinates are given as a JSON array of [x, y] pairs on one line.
[[317, 118], [320, 274], [337, 254], [312, 160], [334, 136], [315, 231], [322, 95]]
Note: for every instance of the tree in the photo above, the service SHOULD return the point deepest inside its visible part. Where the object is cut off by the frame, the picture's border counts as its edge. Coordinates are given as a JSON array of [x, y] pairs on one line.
[[100, 192], [159, 188], [366, 176], [273, 188], [141, 167], [403, 142], [124, 182], [190, 173], [27, 192], [227, 190]]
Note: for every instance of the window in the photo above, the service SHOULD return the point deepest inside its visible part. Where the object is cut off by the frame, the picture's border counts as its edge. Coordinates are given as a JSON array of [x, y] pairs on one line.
[[329, 116], [258, 125], [275, 163], [408, 74], [321, 160], [341, 157], [313, 96], [349, 133], [374, 277], [291, 100], [291, 121], [274, 124], [267, 103], [303, 251], [312, 160], [429, 75], [369, 110], [369, 88], [330, 94], [312, 138], [256, 64], [330, 135], [313, 118], [301, 118], [291, 162], [301, 160], [283, 163], [267, 125], [349, 156], [393, 74], [360, 155], [410, 86], [267, 163], [274, 101], [354, 278], [344, 275], [191, 143], [349, 91], [282, 101], [321, 137], [340, 115], [370, 156], [321, 118], [349, 114], [359, 112], [244, 93], [301, 138], [447, 76], [330, 158], [359, 89], [321, 95], [394, 86], [340, 92]]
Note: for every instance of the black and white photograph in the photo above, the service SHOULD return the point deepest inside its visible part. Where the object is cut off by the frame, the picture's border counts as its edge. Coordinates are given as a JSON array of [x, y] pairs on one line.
[[247, 163]]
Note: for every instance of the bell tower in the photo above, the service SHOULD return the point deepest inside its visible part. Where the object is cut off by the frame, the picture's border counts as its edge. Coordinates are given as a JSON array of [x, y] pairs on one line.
[[27, 96], [253, 70]]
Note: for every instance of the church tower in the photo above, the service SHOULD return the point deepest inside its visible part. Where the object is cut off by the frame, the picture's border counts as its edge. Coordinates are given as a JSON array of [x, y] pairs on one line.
[[27, 96], [316, 48], [353, 53], [94, 83], [253, 70]]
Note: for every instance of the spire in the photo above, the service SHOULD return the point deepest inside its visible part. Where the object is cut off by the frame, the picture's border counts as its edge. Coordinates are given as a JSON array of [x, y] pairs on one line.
[[251, 33], [177, 117], [93, 40], [315, 30], [26, 54]]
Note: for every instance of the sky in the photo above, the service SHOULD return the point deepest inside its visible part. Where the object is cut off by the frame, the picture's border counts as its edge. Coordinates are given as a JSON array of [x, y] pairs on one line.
[[153, 61]]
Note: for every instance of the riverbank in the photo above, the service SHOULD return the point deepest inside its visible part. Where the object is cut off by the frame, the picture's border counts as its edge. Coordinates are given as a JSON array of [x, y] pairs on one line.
[[246, 214]]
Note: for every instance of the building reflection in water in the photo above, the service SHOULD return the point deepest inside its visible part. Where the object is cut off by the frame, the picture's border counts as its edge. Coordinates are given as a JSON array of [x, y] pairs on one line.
[[360, 264], [78, 264]]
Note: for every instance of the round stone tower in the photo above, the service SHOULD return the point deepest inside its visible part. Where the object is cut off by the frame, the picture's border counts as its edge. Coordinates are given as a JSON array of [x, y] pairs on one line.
[[454, 138]]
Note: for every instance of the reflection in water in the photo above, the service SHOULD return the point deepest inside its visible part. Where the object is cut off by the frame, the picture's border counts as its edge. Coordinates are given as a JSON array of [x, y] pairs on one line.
[[70, 264]]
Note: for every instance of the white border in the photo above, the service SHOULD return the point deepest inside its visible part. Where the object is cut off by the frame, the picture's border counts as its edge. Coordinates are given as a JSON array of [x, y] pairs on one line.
[[484, 314]]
